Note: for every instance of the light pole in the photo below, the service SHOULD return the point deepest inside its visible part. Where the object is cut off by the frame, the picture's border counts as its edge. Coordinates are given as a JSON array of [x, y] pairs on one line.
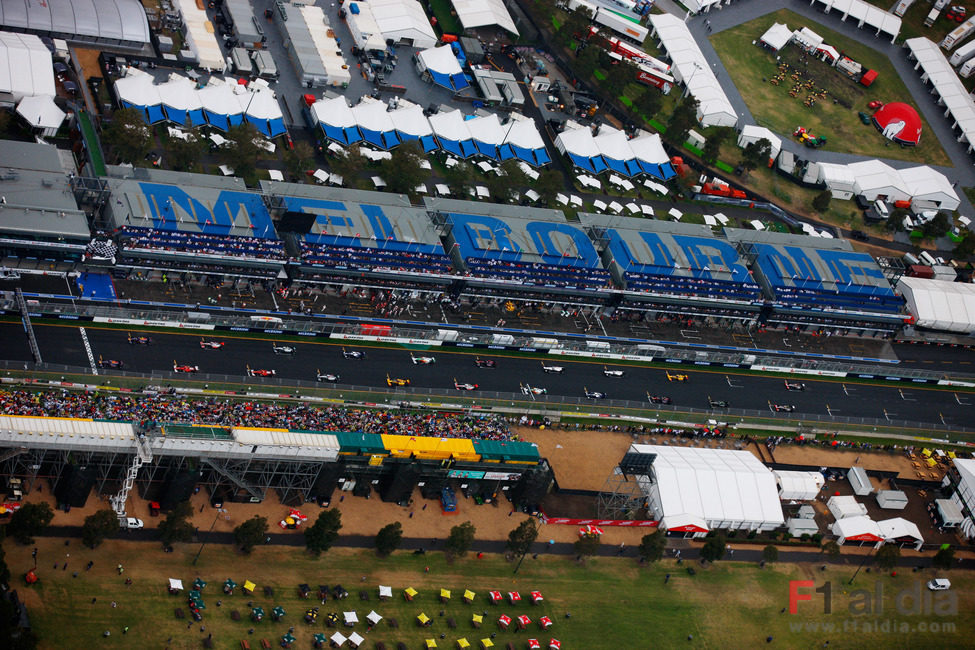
[[219, 512], [687, 86]]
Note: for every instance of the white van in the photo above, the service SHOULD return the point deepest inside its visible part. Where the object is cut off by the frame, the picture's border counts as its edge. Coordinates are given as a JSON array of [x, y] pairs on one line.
[[939, 584], [927, 258]]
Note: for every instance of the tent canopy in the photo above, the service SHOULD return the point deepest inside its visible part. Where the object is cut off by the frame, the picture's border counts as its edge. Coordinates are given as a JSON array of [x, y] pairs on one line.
[[939, 304], [799, 486], [481, 13], [25, 66], [41, 112], [443, 66], [777, 36], [858, 529]]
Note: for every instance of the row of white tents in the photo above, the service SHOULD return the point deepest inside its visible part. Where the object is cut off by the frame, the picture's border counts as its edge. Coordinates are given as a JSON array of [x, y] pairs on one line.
[[946, 86], [925, 187], [27, 79], [387, 126], [220, 104], [610, 149]]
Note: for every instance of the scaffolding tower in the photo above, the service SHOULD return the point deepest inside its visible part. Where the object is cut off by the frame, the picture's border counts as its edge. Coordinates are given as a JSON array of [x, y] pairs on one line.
[[622, 496]]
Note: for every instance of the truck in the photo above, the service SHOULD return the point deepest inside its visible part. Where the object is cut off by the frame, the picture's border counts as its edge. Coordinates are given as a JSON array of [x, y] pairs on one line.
[[963, 53], [958, 34], [264, 64], [624, 23]]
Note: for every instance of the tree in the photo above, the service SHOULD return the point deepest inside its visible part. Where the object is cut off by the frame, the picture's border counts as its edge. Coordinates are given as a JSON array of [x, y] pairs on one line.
[[714, 548], [31, 519], [12, 636], [756, 154], [887, 556], [349, 164], [820, 202], [770, 553], [98, 526], [587, 546], [460, 539], [575, 26], [682, 120], [712, 146], [185, 154], [944, 558], [250, 533], [299, 159], [242, 151], [388, 538], [4, 569], [176, 527], [402, 172], [128, 135], [587, 60], [549, 183], [649, 102], [937, 226], [652, 547], [322, 534], [509, 179], [520, 539], [831, 548], [966, 247], [458, 179]]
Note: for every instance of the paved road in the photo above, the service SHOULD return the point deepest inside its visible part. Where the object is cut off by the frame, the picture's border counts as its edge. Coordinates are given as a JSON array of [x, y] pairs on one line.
[[62, 344]]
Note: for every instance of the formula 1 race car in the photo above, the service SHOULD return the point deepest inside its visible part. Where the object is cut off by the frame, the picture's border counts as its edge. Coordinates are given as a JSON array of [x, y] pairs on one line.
[[394, 381], [718, 403], [108, 363], [326, 377], [658, 399], [186, 369], [782, 408], [533, 390], [283, 349], [353, 354], [593, 394], [422, 361], [211, 345], [140, 340], [485, 363], [460, 386], [794, 385], [677, 377], [556, 369], [255, 372], [613, 373]]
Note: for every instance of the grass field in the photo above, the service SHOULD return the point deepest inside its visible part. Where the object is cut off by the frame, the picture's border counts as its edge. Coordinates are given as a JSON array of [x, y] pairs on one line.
[[749, 65], [613, 602]]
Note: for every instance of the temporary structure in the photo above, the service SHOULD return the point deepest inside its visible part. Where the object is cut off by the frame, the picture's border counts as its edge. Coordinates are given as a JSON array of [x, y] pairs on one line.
[[939, 304], [798, 486], [892, 499], [859, 481], [857, 529], [443, 66], [843, 507]]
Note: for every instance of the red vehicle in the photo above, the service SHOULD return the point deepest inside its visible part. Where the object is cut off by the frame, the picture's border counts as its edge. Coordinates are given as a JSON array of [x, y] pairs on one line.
[[485, 363], [186, 369], [257, 372], [460, 386], [658, 399], [211, 345]]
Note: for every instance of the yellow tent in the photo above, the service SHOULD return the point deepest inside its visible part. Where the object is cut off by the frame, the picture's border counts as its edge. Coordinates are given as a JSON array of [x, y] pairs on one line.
[[445, 594], [486, 643], [468, 596], [249, 586], [952, 454], [925, 452], [422, 619], [477, 619], [431, 643], [410, 593], [463, 643], [931, 462]]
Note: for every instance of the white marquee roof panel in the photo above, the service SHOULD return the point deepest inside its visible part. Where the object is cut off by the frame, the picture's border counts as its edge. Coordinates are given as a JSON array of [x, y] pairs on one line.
[[481, 13]]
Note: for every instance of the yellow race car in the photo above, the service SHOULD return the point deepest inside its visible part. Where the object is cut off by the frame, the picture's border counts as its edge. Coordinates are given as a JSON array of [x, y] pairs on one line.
[[394, 381], [676, 377]]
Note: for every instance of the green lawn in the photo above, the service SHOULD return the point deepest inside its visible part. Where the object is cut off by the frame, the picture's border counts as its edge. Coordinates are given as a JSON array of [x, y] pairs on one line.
[[447, 20], [772, 106], [613, 602]]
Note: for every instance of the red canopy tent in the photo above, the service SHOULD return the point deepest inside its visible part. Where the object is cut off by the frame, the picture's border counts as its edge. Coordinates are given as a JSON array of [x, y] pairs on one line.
[[555, 644], [495, 597], [545, 622], [504, 621], [533, 644], [523, 622], [514, 597], [537, 597]]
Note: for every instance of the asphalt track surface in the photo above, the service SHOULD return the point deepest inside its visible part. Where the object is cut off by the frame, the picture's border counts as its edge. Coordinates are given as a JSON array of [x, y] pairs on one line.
[[62, 344]]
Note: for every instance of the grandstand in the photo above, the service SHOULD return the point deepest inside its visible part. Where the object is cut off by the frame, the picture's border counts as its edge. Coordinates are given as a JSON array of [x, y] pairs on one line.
[[807, 278], [672, 261], [520, 247], [246, 463]]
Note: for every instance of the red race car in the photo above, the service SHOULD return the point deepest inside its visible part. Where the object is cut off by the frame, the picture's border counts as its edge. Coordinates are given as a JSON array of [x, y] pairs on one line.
[[485, 363], [211, 345], [460, 386], [186, 369], [256, 372]]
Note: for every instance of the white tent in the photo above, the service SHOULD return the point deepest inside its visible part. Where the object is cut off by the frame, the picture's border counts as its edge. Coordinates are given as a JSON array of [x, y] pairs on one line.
[[924, 184], [876, 179], [951, 515], [488, 134], [374, 123], [938, 304], [799, 527], [777, 36], [481, 13], [964, 495], [41, 113], [797, 486], [175, 584], [364, 27], [577, 143], [691, 68], [443, 66], [336, 119], [839, 180], [25, 67], [201, 38], [860, 528], [453, 133], [901, 531], [892, 499], [842, 507], [933, 67], [751, 133], [859, 481], [411, 124], [724, 488], [808, 39], [864, 15], [403, 21]]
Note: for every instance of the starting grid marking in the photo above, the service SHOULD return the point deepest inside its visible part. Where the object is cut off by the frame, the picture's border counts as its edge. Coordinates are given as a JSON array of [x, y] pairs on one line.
[[91, 357]]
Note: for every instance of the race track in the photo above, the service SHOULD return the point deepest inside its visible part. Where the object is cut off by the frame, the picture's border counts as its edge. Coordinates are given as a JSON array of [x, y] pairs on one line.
[[63, 345]]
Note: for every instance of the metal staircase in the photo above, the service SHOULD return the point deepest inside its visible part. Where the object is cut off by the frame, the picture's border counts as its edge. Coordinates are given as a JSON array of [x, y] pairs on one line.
[[28, 328], [232, 476], [142, 456]]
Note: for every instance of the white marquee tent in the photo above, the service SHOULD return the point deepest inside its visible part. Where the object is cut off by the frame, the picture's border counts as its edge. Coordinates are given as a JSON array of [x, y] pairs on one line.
[[864, 14], [42, 113], [964, 494], [751, 133], [902, 531], [857, 529], [482, 13], [25, 67], [201, 38], [925, 187], [403, 21], [947, 87], [843, 507], [691, 68], [777, 36], [798, 486], [715, 487], [938, 304]]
